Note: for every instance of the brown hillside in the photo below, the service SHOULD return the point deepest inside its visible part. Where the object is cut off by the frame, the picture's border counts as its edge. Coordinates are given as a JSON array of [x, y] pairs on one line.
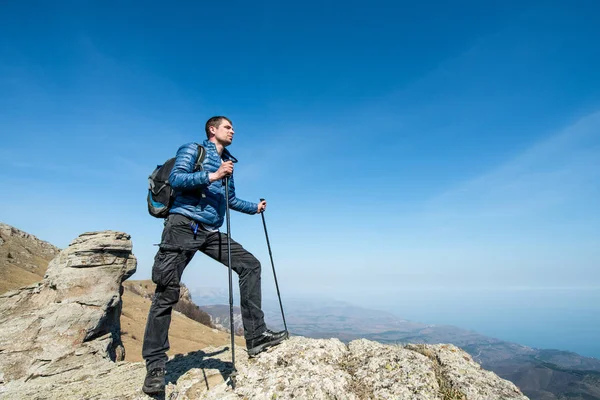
[[185, 335], [24, 260]]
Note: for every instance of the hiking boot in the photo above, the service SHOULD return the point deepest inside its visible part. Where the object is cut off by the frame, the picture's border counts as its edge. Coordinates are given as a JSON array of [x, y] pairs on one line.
[[155, 381], [267, 339]]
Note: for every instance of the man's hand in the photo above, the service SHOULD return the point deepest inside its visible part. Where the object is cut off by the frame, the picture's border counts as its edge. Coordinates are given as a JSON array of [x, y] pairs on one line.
[[226, 169], [262, 206]]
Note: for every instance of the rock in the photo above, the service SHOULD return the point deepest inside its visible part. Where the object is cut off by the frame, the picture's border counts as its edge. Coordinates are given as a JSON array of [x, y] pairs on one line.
[[327, 369], [460, 374], [72, 317], [220, 314], [184, 294], [384, 371], [299, 368]]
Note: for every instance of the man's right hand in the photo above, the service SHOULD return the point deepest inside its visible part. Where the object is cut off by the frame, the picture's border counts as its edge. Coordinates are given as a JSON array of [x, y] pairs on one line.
[[226, 169]]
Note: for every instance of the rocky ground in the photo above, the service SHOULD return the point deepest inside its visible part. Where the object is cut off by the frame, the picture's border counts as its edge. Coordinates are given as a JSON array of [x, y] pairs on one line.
[[299, 368]]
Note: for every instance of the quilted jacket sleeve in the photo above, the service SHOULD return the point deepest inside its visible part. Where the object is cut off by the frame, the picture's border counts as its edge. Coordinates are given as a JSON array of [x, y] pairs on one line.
[[236, 204], [182, 176]]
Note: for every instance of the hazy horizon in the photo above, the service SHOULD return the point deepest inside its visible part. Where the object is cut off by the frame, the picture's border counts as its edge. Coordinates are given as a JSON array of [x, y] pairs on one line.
[[563, 319], [553, 318]]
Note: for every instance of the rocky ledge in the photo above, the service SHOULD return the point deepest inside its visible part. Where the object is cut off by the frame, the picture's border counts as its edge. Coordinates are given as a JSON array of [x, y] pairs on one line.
[[299, 368]]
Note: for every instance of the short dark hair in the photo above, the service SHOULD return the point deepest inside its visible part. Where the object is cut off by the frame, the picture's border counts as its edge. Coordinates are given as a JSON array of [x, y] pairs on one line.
[[216, 122]]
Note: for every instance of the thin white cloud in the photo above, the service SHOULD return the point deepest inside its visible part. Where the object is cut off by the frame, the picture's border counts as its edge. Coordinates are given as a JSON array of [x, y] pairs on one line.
[[549, 173]]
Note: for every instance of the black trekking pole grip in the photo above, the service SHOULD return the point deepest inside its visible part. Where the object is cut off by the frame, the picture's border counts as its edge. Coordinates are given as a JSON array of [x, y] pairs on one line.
[[230, 281], [262, 213]]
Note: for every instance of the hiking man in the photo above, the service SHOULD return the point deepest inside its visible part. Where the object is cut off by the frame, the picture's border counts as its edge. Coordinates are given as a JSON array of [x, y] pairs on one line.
[[193, 224]]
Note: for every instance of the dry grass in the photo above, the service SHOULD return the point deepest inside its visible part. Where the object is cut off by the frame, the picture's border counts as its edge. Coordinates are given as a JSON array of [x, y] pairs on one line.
[[22, 262], [185, 334], [14, 277], [350, 365]]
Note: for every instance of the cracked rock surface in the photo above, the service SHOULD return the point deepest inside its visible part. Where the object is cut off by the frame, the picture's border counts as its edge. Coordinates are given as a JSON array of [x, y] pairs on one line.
[[71, 318], [299, 368]]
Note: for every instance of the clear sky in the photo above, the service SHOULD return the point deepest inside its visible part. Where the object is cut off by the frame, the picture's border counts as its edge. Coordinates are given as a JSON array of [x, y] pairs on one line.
[[400, 145]]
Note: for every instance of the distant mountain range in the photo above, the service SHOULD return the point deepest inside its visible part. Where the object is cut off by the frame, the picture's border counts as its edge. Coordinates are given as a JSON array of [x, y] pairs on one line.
[[540, 374]]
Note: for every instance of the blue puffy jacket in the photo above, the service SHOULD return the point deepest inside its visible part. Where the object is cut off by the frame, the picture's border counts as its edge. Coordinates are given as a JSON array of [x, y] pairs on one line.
[[196, 197]]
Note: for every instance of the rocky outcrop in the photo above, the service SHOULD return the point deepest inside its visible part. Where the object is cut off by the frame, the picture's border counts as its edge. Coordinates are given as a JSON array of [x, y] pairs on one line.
[[328, 369], [70, 320], [220, 317], [299, 368]]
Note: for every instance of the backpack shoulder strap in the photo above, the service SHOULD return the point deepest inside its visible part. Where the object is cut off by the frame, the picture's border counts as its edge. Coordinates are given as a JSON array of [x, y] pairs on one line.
[[200, 159]]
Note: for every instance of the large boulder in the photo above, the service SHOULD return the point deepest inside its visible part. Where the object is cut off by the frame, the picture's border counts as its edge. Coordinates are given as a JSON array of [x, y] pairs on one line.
[[71, 318]]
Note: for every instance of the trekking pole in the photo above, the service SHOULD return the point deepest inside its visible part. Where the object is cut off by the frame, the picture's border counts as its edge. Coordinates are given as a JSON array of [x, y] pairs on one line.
[[233, 373], [262, 213]]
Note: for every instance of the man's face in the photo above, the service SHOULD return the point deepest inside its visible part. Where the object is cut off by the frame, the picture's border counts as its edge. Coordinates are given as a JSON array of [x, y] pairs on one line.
[[224, 133]]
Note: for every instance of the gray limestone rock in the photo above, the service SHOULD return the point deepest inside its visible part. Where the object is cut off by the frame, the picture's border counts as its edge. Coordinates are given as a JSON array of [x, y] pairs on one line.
[[460, 374], [299, 368], [72, 316]]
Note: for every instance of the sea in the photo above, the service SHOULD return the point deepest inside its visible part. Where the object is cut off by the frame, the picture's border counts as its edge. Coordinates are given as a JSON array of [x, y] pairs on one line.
[[545, 318]]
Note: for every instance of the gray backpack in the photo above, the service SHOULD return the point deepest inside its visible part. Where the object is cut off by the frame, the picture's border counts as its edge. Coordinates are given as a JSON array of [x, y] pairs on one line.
[[160, 193]]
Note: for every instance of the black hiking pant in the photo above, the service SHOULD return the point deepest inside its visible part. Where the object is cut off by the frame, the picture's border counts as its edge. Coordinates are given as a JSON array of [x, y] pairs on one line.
[[178, 245]]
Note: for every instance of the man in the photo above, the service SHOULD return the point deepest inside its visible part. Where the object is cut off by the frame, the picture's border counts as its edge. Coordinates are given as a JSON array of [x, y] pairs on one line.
[[193, 224]]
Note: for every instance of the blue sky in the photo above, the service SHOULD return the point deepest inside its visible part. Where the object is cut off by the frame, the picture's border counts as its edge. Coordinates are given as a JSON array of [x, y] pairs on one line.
[[400, 145]]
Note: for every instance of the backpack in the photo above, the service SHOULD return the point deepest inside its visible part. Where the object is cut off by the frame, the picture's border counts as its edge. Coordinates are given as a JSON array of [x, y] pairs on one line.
[[160, 193]]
